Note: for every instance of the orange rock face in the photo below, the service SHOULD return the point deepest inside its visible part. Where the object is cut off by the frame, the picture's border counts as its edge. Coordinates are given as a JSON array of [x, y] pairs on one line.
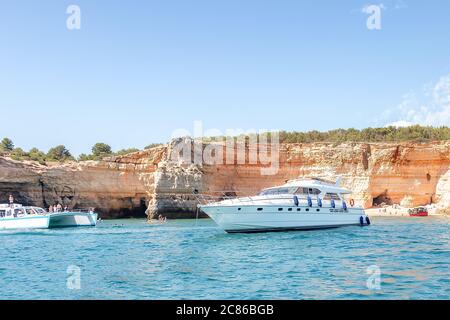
[[156, 181], [409, 174], [116, 187]]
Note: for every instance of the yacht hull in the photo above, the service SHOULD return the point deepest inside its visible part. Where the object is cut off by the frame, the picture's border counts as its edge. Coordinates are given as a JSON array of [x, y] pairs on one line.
[[73, 219], [30, 222], [248, 222]]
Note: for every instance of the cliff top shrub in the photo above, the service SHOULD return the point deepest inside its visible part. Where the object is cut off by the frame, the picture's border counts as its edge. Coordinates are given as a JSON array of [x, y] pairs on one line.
[[101, 149], [6, 145], [59, 153]]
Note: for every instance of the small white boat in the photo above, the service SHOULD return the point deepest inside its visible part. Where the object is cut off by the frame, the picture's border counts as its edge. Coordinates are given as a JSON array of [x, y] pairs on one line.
[[73, 219], [16, 217], [297, 205]]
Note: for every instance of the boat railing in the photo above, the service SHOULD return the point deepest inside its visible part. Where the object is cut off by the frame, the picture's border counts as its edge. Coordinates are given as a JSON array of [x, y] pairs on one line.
[[204, 199], [225, 196], [74, 211]]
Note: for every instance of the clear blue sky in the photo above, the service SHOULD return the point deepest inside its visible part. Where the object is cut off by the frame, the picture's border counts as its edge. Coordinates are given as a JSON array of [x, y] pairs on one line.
[[138, 70]]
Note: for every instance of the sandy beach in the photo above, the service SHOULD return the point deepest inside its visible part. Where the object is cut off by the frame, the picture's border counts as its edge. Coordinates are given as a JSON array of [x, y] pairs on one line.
[[398, 211]]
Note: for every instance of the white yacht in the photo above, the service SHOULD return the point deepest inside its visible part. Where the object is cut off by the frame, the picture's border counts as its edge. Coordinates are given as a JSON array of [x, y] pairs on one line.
[[297, 205], [17, 216]]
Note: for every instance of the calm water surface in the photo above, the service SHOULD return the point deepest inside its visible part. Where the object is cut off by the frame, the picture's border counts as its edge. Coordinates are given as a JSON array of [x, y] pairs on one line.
[[185, 259]]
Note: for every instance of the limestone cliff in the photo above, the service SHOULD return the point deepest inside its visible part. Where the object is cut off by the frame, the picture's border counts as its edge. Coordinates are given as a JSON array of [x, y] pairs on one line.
[[116, 186], [410, 174]]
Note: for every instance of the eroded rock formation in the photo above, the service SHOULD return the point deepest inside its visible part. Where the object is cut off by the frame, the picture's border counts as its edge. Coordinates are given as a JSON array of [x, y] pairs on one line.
[[160, 181], [116, 186]]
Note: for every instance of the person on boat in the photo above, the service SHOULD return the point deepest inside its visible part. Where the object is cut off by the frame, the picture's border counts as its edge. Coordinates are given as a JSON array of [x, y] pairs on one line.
[[66, 209], [59, 207], [50, 209], [11, 200]]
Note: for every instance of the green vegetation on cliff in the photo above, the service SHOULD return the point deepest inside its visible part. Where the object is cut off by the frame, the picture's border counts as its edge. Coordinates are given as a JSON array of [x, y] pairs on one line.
[[58, 153], [61, 153], [101, 150], [387, 134], [6, 145]]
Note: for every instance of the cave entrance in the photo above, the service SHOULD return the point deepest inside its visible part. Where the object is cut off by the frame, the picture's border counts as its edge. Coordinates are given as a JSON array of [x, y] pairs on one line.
[[131, 211], [140, 212], [382, 199]]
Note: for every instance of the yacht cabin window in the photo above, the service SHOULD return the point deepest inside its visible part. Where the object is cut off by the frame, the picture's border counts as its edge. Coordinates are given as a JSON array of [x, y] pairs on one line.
[[290, 190], [278, 191], [331, 196], [311, 191]]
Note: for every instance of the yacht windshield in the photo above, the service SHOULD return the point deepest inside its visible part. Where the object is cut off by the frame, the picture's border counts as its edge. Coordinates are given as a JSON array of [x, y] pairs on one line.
[[19, 211]]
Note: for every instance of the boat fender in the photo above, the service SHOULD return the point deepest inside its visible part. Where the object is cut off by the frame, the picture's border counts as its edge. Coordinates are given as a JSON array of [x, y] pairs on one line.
[[368, 221], [344, 206], [352, 202], [333, 204], [319, 202], [296, 202], [309, 201], [361, 221]]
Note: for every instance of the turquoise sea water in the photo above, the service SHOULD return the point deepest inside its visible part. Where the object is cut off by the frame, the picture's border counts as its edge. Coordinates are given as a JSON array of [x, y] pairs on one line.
[[185, 259]]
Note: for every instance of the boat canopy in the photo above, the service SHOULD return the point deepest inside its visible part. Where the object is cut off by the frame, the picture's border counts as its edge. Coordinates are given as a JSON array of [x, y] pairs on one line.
[[313, 186]]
